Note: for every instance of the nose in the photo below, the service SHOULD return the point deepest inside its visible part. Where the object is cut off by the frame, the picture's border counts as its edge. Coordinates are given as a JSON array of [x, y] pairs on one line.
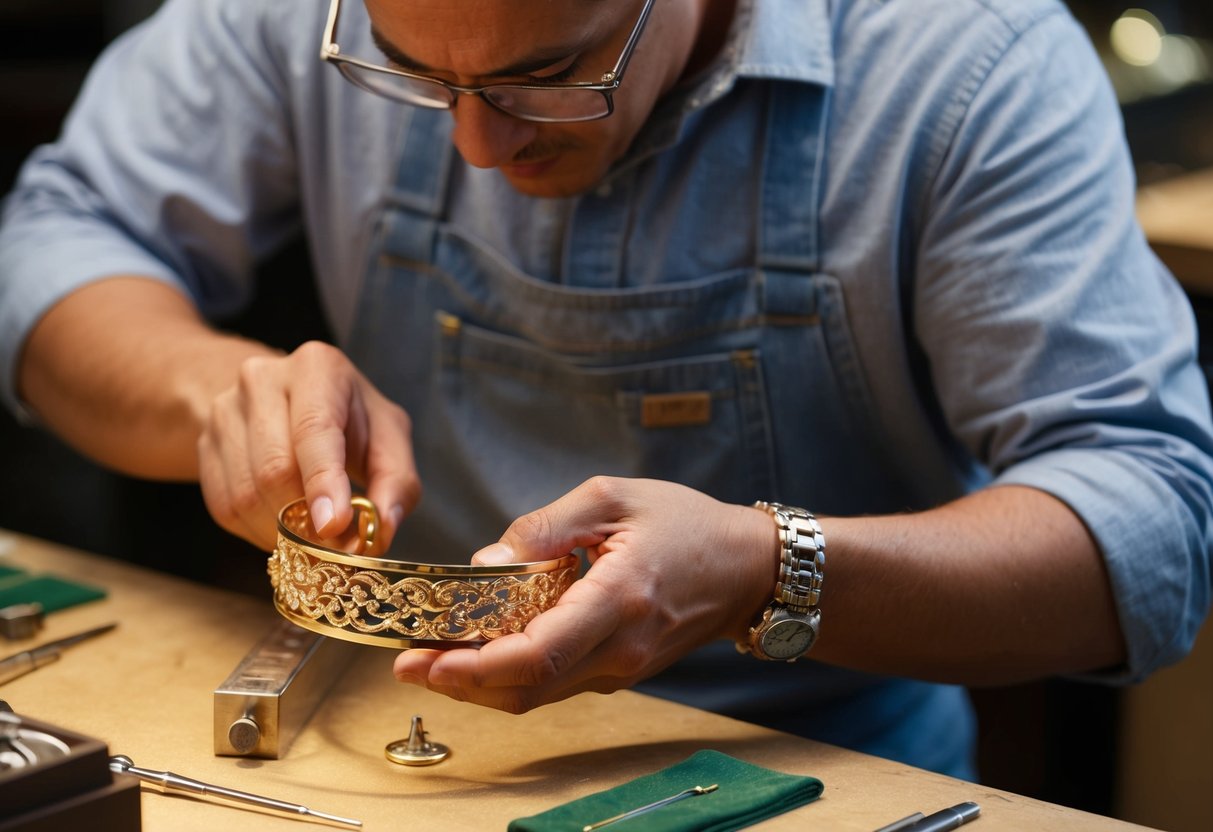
[[485, 136]]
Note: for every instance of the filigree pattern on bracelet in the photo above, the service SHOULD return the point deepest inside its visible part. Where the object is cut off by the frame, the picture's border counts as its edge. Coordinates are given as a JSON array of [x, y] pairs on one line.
[[402, 604]]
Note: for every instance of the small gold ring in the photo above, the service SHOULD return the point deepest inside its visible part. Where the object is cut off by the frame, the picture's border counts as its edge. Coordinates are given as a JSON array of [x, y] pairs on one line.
[[402, 604], [368, 523]]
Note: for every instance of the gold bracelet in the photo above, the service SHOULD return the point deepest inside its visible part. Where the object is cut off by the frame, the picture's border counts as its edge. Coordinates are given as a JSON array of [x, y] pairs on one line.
[[400, 604]]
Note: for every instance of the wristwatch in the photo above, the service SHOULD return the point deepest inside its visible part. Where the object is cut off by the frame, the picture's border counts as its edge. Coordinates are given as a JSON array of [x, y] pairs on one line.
[[789, 625]]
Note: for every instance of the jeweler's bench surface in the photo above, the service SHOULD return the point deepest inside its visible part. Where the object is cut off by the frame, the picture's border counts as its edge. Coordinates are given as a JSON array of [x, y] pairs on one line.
[[146, 689]]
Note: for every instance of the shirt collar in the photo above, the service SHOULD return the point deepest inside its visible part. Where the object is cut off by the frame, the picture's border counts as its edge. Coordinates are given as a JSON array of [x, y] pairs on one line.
[[785, 40]]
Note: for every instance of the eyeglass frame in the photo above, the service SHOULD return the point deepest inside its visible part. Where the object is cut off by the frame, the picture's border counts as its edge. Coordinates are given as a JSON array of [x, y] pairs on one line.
[[330, 52]]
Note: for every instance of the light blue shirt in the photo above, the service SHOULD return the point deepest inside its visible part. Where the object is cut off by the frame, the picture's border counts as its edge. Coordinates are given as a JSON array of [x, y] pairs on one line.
[[998, 315]]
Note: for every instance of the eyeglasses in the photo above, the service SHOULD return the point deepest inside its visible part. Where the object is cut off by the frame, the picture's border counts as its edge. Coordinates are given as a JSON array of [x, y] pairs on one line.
[[557, 102]]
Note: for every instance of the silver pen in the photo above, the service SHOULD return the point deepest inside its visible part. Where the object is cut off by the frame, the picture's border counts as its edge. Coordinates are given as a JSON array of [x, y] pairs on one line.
[[941, 821], [903, 824]]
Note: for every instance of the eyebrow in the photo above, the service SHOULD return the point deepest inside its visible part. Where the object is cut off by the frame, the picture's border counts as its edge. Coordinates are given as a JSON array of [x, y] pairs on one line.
[[532, 63]]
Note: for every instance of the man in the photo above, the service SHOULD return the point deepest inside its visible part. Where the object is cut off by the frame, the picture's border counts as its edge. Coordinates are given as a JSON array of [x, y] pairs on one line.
[[660, 260]]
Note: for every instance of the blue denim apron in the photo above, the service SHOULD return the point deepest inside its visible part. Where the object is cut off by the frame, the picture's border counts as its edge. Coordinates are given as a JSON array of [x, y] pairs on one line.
[[742, 383]]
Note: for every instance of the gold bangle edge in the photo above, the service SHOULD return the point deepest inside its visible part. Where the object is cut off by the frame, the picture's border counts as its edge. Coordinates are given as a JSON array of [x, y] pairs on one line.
[[396, 642]]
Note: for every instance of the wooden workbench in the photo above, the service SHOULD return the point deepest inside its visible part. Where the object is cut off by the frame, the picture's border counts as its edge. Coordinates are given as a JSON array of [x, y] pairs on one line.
[[1177, 217], [146, 689]]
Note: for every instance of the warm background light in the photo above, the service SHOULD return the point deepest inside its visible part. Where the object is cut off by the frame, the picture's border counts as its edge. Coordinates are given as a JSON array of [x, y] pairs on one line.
[[1137, 37]]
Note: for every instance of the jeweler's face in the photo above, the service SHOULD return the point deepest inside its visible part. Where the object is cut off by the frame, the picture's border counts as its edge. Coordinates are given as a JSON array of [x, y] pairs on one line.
[[469, 42]]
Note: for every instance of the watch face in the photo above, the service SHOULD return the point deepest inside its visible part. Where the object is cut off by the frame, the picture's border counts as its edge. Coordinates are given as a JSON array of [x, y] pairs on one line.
[[788, 639]]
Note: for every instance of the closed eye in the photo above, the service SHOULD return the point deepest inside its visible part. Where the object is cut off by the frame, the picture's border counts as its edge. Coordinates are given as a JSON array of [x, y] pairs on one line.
[[566, 74]]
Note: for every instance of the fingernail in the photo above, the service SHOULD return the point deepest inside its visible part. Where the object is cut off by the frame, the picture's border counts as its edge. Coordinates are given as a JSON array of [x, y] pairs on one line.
[[409, 678], [395, 517], [322, 512], [494, 555]]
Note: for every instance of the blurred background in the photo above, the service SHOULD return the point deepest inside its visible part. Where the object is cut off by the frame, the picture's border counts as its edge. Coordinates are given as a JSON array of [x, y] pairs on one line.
[[1143, 754]]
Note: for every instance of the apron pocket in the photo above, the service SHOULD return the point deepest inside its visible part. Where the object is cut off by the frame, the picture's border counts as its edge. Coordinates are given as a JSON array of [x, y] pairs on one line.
[[538, 423]]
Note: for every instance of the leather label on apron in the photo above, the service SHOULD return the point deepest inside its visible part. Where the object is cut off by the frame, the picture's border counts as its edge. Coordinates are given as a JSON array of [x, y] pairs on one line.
[[671, 410]]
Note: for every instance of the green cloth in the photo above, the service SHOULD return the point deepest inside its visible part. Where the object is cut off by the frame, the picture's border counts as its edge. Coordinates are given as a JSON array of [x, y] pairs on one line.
[[747, 794], [52, 592], [8, 572]]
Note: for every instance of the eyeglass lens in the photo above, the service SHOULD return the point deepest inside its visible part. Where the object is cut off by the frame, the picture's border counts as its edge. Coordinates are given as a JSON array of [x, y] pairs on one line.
[[556, 104]]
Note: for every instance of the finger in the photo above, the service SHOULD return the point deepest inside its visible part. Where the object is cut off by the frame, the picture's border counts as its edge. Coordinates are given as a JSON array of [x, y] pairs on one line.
[[413, 666], [520, 700], [319, 413], [390, 469], [496, 554], [600, 676], [512, 658], [271, 459], [215, 494], [227, 489], [549, 651], [584, 517]]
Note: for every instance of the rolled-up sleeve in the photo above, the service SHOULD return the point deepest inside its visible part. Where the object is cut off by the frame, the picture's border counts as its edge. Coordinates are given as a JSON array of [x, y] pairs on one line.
[[175, 164], [1063, 352]]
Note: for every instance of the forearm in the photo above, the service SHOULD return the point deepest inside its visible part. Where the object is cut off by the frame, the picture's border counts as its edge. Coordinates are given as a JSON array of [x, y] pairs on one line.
[[1000, 586], [124, 370]]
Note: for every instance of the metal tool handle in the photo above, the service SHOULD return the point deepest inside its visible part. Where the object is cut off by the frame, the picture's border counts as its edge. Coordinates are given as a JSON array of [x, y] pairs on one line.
[[16, 666]]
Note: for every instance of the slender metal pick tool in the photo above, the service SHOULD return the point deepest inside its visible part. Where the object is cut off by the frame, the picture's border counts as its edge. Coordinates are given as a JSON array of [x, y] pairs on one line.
[[18, 664], [167, 781], [640, 810]]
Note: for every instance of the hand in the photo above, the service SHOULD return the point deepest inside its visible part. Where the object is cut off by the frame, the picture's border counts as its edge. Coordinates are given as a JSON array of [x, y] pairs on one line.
[[671, 569], [302, 425]]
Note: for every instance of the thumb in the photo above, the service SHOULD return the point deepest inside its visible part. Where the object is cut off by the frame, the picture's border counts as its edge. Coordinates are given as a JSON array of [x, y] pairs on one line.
[[537, 536], [497, 554], [582, 518]]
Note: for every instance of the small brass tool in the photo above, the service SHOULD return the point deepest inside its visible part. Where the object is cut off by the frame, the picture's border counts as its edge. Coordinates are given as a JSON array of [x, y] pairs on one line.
[[416, 750]]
